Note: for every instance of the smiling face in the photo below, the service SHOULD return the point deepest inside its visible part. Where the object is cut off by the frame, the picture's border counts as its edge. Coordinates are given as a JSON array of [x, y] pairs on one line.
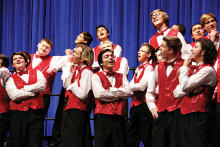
[[102, 34], [80, 39], [43, 48], [197, 53], [108, 61], [210, 25], [165, 52], [197, 32], [19, 63], [144, 54], [157, 19]]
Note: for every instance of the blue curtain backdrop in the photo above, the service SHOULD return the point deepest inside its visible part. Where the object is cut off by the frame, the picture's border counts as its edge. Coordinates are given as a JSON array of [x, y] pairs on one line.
[[23, 23]]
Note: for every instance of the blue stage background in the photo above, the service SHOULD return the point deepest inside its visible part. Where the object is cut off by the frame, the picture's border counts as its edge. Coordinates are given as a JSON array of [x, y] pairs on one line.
[[23, 23]]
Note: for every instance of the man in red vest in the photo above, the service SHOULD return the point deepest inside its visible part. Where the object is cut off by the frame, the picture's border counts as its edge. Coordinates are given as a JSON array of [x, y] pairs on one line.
[[140, 122], [209, 23], [4, 99], [121, 63], [160, 21], [25, 89], [102, 34], [80, 98], [195, 124], [165, 108], [110, 89], [197, 32]]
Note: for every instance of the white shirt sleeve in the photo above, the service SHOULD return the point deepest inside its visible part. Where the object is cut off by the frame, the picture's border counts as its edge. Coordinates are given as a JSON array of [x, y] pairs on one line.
[[124, 68], [4, 75], [185, 51], [58, 62], [117, 51], [39, 86], [151, 90], [206, 76], [85, 85]]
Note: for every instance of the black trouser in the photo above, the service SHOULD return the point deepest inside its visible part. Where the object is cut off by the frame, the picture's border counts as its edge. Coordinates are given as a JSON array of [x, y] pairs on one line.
[[77, 131], [195, 130], [26, 128], [59, 118], [139, 126], [4, 127], [216, 124], [164, 129], [110, 131], [46, 99]]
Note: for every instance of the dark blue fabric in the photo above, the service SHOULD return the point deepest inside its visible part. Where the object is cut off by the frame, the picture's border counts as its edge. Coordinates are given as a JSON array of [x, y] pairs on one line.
[[23, 23]]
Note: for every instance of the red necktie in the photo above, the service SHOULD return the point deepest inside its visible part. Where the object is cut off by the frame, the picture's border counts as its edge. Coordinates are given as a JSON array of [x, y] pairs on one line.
[[23, 72]]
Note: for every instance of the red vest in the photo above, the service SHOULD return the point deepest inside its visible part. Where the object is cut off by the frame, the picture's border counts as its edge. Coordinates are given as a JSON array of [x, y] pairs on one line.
[[193, 44], [117, 63], [218, 81], [97, 50], [153, 39], [117, 107], [35, 102], [4, 100], [76, 103], [201, 102], [43, 66], [140, 97], [166, 99]]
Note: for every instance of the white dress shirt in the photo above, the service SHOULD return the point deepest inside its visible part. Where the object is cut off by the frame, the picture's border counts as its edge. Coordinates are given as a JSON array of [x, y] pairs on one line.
[[81, 91], [4, 75], [29, 90], [114, 93]]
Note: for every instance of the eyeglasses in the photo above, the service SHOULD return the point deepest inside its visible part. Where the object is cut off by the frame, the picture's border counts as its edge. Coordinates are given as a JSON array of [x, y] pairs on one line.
[[144, 52], [211, 21], [155, 14]]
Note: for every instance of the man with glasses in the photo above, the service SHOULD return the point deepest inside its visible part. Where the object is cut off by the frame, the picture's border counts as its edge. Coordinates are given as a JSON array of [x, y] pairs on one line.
[[160, 21]]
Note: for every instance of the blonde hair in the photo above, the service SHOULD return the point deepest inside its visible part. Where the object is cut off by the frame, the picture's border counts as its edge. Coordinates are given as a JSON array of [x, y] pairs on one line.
[[106, 42], [205, 17], [164, 16], [87, 54]]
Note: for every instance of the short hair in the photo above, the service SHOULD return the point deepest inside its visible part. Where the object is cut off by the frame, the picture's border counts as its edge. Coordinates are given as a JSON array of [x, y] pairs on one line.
[[164, 15], [100, 56], [107, 42], [182, 29], [5, 61], [87, 54], [48, 41], [150, 48], [193, 26], [28, 57], [101, 26], [21, 54], [87, 37], [210, 50], [205, 17], [174, 43]]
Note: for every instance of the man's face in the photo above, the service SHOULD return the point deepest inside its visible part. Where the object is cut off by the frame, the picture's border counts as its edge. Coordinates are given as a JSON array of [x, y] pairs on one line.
[[197, 32], [165, 52], [210, 25], [102, 33], [108, 61], [107, 45], [0, 63], [77, 55], [19, 63], [43, 48], [80, 39], [157, 19], [159, 57], [197, 52], [143, 54]]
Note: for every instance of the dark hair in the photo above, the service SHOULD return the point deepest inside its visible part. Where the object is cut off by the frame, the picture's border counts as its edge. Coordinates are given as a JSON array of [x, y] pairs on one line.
[[87, 37], [100, 56], [21, 54], [210, 51], [101, 26], [48, 41], [150, 48], [174, 43], [28, 56], [5, 60], [182, 29], [155, 55]]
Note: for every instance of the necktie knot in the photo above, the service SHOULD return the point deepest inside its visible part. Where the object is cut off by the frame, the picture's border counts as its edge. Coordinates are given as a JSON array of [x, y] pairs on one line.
[[22, 72]]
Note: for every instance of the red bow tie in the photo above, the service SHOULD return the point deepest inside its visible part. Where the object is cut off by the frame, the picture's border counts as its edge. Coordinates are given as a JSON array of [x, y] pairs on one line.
[[23, 72], [169, 63], [111, 74], [161, 33], [37, 56]]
